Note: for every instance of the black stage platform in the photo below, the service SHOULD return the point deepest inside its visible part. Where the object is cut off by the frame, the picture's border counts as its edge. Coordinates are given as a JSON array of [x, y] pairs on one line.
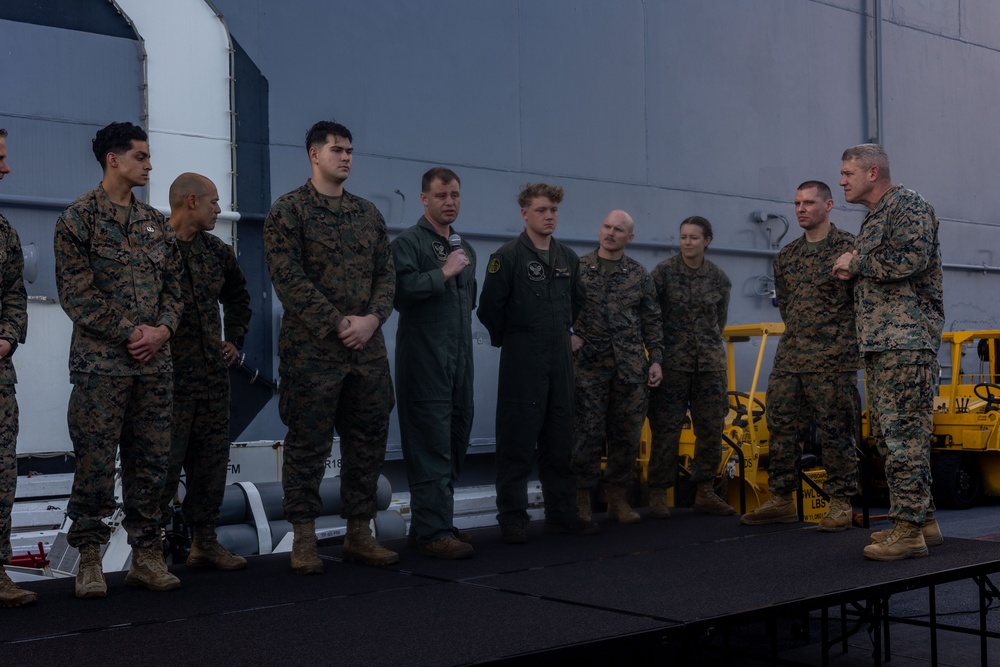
[[643, 594]]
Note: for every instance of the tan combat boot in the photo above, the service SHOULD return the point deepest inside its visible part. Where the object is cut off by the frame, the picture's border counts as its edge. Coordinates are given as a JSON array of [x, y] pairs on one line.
[[149, 570], [707, 502], [779, 508], [305, 559], [583, 509], [359, 545], [658, 508], [618, 507], [460, 535], [206, 552], [11, 595], [90, 574], [933, 537], [448, 547], [905, 541], [839, 516]]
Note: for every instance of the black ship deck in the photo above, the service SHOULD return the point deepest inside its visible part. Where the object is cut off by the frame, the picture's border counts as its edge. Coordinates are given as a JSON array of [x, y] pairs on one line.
[[659, 592]]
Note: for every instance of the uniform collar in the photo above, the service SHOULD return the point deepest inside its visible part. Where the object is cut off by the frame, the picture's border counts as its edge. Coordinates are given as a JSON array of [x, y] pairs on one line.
[[424, 223], [197, 244], [701, 270], [620, 266], [348, 201], [884, 199], [107, 210], [526, 241]]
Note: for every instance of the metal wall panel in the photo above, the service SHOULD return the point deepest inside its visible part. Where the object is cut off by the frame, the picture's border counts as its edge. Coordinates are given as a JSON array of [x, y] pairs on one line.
[[666, 109], [582, 89]]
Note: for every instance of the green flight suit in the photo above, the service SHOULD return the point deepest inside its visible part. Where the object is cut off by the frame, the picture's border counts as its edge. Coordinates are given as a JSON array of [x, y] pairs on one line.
[[528, 305], [434, 373]]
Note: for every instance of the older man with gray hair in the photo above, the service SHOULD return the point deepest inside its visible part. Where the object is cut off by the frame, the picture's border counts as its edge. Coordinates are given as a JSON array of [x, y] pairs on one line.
[[900, 316]]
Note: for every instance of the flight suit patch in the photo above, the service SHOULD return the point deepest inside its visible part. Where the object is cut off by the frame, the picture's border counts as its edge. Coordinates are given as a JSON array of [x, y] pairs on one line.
[[560, 272], [439, 251], [493, 266], [536, 271]]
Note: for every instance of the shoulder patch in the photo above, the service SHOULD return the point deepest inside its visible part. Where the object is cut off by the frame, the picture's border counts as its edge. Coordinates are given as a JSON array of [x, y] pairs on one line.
[[494, 265]]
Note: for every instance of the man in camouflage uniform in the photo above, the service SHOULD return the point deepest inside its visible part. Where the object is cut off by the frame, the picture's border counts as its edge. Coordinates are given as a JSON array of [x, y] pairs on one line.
[[200, 430], [900, 316], [328, 255], [619, 317], [118, 274], [13, 327], [435, 295], [815, 368], [531, 296]]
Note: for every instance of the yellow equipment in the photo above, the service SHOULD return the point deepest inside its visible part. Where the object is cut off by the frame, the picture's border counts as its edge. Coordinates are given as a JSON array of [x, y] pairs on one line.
[[965, 447], [745, 435]]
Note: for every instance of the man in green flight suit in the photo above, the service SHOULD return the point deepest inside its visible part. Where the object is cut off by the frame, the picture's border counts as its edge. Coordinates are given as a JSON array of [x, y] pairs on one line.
[[435, 295], [531, 297]]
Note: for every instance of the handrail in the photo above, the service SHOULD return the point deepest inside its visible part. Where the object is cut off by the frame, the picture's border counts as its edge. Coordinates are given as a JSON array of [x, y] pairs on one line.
[[743, 477]]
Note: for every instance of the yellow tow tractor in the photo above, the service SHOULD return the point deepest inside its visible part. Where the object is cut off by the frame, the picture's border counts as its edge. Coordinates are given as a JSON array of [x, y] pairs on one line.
[[965, 446], [742, 478]]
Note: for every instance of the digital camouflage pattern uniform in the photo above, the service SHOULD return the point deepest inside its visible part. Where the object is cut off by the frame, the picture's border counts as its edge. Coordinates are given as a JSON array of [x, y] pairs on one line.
[[200, 430], [528, 305], [694, 304], [326, 265], [112, 275], [815, 367], [13, 328], [899, 303], [434, 373], [621, 314]]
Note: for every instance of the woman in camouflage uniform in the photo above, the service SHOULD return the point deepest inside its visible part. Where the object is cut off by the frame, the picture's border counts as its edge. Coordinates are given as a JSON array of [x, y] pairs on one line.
[[694, 301]]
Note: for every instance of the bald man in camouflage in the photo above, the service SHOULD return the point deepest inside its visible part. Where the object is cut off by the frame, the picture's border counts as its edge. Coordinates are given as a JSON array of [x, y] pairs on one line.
[[619, 323], [200, 429]]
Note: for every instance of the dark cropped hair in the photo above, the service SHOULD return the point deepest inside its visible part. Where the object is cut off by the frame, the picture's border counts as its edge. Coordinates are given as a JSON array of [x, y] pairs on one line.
[[822, 189], [442, 174], [3, 132], [116, 138], [553, 193], [318, 133], [697, 220]]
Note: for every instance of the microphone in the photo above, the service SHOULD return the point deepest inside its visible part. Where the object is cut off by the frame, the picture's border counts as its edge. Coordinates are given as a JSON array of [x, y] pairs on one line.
[[456, 242]]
